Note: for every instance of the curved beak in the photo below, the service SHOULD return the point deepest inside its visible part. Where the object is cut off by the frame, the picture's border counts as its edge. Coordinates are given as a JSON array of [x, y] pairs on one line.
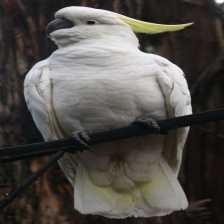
[[58, 23]]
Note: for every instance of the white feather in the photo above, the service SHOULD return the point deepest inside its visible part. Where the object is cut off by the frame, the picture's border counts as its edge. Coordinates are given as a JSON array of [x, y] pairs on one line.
[[97, 86]]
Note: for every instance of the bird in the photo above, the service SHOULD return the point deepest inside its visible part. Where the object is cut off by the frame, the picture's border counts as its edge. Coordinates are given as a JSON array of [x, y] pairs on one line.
[[97, 80]]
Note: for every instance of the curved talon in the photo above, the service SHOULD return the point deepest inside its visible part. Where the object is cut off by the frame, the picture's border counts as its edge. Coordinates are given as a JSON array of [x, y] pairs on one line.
[[82, 137], [149, 122]]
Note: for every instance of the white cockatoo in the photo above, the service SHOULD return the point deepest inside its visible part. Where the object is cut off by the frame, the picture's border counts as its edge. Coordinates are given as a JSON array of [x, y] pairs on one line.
[[98, 80]]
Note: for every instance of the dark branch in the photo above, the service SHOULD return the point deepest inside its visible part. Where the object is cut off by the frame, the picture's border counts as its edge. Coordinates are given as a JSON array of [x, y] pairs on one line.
[[29, 151], [11, 197]]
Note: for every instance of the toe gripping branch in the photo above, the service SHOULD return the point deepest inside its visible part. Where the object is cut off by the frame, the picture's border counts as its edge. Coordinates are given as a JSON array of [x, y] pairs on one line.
[[59, 147]]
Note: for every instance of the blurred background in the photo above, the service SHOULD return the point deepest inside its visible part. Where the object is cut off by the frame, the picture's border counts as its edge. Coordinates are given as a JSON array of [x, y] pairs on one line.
[[199, 51]]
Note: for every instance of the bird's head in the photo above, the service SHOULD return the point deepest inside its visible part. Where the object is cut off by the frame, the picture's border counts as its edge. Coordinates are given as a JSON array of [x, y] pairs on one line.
[[74, 24]]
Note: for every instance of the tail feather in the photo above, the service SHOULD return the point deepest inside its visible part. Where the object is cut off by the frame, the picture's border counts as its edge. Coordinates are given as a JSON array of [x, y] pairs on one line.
[[164, 191], [159, 196]]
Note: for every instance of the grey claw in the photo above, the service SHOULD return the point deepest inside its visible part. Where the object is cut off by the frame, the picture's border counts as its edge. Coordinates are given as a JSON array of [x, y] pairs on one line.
[[82, 137], [150, 123]]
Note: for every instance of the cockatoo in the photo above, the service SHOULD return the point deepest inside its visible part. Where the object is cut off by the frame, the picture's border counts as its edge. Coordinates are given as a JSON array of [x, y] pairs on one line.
[[98, 80]]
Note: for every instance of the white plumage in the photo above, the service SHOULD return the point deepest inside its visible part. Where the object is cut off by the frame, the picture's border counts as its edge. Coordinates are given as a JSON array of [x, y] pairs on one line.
[[98, 80]]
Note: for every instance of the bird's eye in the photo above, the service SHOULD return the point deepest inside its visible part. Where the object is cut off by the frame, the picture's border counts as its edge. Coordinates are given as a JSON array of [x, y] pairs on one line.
[[91, 22]]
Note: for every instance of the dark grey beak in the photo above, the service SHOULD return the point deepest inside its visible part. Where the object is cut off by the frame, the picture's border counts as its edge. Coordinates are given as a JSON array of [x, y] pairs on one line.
[[58, 23]]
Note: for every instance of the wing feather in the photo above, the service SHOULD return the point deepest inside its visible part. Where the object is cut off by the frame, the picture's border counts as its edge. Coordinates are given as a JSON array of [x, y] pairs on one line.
[[36, 100], [38, 96], [177, 98]]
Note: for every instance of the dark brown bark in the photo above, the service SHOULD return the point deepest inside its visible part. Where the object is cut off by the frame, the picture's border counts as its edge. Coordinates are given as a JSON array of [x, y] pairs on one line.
[[198, 51]]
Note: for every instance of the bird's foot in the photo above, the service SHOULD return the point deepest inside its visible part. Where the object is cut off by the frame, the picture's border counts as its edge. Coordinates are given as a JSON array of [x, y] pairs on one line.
[[82, 138], [149, 122]]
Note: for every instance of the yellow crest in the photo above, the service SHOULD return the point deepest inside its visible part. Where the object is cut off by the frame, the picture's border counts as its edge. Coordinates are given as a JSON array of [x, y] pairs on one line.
[[139, 26]]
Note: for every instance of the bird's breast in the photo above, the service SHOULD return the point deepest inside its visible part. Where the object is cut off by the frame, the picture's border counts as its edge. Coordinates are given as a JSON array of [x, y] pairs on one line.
[[107, 100]]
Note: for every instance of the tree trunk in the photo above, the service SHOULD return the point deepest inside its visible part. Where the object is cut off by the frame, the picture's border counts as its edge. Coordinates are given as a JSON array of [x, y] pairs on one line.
[[198, 51]]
